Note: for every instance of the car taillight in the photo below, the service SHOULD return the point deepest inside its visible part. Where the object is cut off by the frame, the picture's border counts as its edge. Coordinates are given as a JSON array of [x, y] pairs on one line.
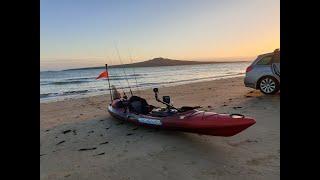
[[249, 69]]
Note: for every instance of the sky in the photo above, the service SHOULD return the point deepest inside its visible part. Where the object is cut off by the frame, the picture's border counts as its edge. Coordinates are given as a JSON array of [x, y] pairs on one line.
[[87, 33]]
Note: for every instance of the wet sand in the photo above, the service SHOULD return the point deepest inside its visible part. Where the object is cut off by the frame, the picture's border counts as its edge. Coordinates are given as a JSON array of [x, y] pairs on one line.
[[79, 139]]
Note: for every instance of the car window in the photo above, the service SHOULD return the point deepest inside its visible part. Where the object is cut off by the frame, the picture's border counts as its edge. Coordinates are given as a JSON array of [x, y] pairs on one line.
[[265, 60], [276, 58]]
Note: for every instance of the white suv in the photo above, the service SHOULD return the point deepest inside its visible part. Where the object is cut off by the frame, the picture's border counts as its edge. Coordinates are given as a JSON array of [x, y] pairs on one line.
[[264, 73]]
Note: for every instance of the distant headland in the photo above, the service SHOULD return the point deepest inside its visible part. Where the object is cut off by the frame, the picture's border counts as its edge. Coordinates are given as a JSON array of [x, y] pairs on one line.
[[156, 62]]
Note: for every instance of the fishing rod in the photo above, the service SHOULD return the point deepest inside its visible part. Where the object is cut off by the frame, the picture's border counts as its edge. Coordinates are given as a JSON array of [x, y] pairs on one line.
[[109, 83], [117, 75], [134, 73], [118, 82], [125, 74]]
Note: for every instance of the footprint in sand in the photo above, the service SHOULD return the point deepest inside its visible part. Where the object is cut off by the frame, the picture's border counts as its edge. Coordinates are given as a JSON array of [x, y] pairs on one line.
[[261, 160], [135, 128], [235, 144], [190, 163]]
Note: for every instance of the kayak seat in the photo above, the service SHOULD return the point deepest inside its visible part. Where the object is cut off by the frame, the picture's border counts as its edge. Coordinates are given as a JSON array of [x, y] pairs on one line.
[[139, 105]]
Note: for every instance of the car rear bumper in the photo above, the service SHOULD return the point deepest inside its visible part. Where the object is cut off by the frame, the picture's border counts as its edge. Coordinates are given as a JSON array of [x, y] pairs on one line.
[[249, 83]]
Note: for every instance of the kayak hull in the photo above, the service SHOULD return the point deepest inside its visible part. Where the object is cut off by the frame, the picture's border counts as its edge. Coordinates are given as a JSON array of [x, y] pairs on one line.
[[192, 121]]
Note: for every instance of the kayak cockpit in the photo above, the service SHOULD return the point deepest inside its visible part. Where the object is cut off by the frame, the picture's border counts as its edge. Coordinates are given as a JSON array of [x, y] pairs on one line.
[[138, 105]]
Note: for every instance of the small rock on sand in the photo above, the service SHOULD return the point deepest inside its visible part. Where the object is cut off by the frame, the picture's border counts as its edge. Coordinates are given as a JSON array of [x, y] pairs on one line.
[[99, 154], [66, 131], [104, 142], [87, 149], [129, 134], [237, 107], [60, 142]]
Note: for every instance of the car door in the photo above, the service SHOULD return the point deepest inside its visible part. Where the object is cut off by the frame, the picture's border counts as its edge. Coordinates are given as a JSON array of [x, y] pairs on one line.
[[276, 65]]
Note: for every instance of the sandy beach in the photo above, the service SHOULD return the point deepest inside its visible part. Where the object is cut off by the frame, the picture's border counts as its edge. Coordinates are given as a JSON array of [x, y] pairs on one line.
[[79, 139]]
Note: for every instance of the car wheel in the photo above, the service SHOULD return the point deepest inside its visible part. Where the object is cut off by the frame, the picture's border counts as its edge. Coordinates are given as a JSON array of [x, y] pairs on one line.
[[269, 85]]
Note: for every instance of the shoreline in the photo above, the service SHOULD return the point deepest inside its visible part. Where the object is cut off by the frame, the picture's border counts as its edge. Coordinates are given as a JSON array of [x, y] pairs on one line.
[[165, 85]]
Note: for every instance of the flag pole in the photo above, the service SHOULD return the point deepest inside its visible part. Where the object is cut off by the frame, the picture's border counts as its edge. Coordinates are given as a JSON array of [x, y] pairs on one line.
[[109, 83]]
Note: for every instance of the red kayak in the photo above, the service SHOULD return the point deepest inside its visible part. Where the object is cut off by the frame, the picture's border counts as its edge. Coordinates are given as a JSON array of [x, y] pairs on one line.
[[186, 119]]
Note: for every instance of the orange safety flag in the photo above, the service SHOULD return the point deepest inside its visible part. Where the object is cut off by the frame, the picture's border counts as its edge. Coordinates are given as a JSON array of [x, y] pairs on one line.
[[103, 74]]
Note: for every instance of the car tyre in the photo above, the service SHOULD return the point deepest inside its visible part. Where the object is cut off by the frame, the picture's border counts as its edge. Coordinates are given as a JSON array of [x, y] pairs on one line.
[[269, 85]]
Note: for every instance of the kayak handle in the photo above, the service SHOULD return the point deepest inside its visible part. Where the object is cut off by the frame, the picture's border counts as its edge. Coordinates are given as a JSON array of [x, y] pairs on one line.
[[235, 114]]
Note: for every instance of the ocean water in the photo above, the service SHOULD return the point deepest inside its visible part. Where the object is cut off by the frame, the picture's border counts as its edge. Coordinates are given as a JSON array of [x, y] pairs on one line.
[[60, 85]]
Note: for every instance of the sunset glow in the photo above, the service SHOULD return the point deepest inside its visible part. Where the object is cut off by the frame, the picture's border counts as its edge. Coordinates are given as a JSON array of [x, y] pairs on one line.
[[86, 33]]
